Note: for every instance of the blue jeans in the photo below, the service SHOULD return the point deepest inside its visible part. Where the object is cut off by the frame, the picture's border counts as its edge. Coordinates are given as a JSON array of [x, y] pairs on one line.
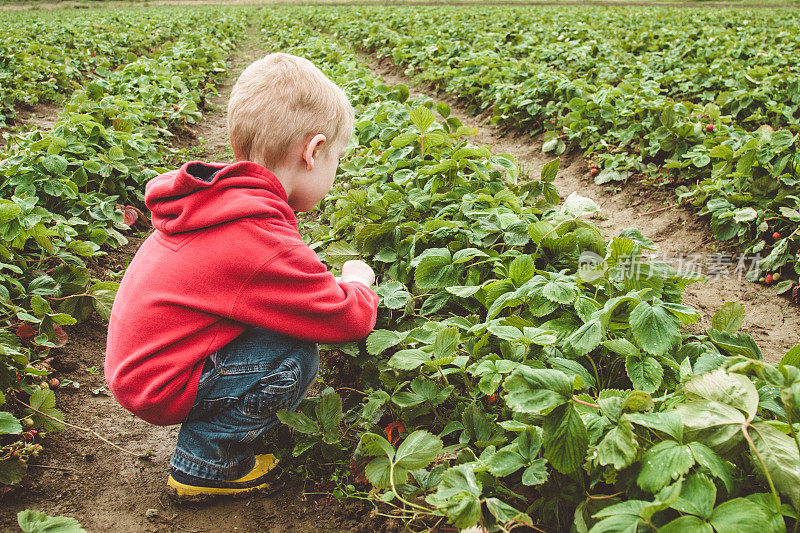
[[242, 387]]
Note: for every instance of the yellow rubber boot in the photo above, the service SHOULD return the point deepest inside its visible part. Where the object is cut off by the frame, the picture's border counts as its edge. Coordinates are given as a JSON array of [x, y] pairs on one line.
[[187, 487]]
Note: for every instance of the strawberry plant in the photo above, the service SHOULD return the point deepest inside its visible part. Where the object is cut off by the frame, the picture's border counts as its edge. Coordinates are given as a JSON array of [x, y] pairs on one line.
[[46, 58], [321, 426], [540, 372], [70, 191], [640, 101]]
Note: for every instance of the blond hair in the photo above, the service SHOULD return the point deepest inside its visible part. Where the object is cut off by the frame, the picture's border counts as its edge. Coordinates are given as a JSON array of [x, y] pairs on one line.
[[278, 102]]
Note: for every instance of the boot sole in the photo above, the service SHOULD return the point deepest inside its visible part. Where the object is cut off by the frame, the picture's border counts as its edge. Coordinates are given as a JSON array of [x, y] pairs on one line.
[[191, 493]]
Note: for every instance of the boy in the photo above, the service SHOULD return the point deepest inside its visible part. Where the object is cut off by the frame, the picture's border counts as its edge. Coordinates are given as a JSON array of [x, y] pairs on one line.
[[215, 322]]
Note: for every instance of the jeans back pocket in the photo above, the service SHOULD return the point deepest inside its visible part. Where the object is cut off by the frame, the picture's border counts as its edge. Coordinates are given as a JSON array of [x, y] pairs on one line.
[[274, 392]]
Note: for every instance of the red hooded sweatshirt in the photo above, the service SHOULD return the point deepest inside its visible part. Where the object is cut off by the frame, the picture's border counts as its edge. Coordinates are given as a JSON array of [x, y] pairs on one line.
[[225, 255]]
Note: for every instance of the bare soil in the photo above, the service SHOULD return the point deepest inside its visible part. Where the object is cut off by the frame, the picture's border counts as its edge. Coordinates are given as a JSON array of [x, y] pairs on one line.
[[42, 116], [684, 240]]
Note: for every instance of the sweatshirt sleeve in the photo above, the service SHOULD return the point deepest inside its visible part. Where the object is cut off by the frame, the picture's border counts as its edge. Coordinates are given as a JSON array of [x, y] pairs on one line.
[[295, 294]]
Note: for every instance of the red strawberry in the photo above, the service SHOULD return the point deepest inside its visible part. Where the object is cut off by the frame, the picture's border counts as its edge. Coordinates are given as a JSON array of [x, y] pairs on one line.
[[709, 127], [776, 235], [768, 279]]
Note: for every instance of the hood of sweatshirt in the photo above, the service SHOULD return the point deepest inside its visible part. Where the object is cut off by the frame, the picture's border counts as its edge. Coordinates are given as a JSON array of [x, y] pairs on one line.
[[199, 195]]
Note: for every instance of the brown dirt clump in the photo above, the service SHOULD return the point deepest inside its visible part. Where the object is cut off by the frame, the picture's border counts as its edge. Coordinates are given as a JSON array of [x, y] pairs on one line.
[[684, 240]]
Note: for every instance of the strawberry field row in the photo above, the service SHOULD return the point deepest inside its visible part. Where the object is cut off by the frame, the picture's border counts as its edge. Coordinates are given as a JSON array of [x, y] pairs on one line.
[[68, 192], [44, 58], [510, 380], [708, 101]]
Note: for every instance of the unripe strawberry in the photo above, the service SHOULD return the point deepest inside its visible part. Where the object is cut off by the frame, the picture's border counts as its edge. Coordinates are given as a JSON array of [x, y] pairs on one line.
[[776, 276], [776, 235], [709, 127], [768, 279], [27, 422]]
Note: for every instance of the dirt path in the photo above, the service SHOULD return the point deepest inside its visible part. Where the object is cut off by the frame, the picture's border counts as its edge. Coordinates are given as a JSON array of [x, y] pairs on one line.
[[683, 239], [108, 490], [42, 116]]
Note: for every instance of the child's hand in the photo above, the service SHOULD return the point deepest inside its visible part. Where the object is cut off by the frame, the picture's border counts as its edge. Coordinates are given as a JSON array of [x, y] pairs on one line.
[[355, 270]]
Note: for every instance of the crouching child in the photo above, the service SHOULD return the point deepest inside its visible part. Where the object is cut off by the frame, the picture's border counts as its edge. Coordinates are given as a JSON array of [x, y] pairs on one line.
[[217, 318]]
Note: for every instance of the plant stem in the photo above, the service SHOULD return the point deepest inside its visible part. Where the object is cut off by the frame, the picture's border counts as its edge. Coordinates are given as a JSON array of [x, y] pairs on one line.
[[351, 390], [604, 496], [596, 373], [439, 368], [139, 455], [70, 296], [793, 431], [397, 494], [763, 467], [701, 244], [659, 210], [576, 400]]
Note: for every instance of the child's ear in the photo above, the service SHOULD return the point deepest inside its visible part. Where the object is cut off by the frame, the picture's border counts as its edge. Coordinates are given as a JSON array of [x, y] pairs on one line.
[[238, 155], [311, 150]]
